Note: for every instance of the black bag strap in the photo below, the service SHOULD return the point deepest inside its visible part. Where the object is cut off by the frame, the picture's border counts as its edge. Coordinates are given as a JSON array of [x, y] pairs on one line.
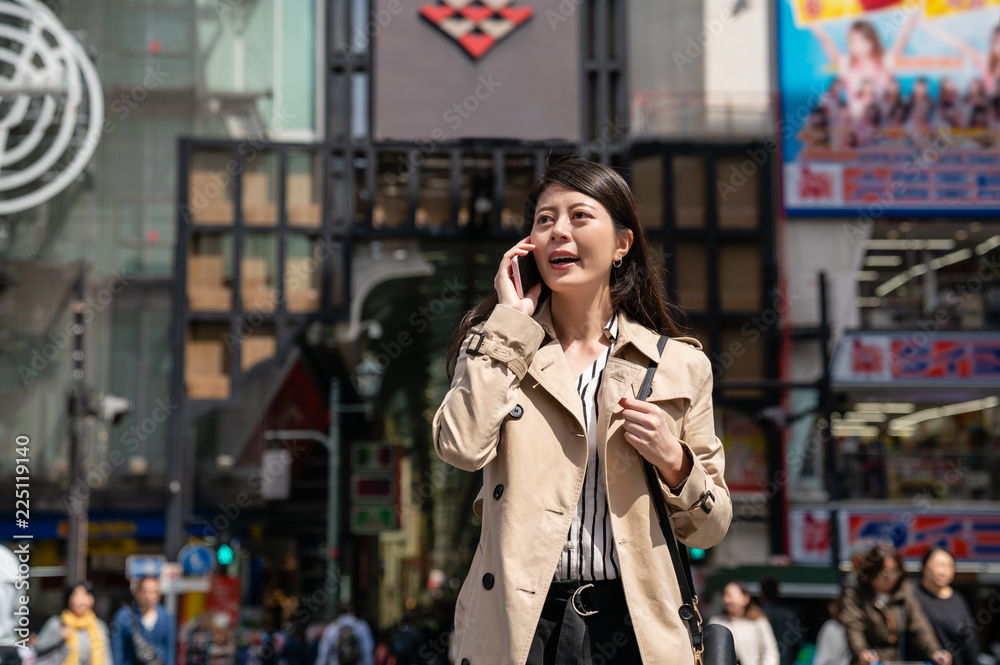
[[678, 553]]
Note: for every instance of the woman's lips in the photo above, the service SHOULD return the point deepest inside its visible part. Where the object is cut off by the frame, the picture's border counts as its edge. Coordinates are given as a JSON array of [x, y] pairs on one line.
[[566, 265]]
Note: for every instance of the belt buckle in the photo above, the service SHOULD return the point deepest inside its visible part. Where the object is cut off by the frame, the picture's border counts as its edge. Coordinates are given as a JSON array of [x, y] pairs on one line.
[[572, 600]]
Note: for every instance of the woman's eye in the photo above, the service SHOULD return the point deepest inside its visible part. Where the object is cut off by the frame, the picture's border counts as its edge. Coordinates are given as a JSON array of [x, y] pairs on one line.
[[543, 219]]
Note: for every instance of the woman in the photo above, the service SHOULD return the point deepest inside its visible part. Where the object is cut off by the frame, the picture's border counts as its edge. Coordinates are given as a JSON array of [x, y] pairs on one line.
[[571, 560], [881, 613], [752, 633], [947, 611], [77, 628], [831, 643]]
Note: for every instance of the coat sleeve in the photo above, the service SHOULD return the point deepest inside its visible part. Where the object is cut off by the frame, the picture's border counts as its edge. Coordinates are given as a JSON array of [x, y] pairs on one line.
[[701, 512], [919, 627], [854, 620], [50, 636], [493, 360]]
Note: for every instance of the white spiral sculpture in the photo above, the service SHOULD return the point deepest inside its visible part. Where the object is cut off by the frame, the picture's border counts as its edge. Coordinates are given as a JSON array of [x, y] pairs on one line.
[[47, 84]]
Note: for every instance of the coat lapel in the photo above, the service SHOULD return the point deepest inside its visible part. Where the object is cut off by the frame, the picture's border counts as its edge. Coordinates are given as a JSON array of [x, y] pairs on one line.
[[550, 369]]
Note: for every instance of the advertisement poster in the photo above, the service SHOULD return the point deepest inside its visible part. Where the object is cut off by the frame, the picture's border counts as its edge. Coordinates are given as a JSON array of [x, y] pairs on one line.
[[970, 536], [968, 359], [746, 452], [890, 107]]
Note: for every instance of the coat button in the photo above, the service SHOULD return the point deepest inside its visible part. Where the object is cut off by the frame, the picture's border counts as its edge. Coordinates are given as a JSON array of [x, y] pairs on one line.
[[488, 581], [498, 492], [465, 661], [517, 411]]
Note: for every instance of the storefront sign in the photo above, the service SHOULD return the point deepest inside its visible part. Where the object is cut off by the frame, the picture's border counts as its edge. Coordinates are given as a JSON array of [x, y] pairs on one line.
[[885, 107], [918, 358], [971, 536]]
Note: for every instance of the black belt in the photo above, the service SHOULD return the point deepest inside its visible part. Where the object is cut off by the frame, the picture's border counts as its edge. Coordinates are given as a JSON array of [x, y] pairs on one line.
[[579, 602]]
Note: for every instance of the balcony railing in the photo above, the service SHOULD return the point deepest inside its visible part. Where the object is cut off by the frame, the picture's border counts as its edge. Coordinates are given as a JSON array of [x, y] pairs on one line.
[[662, 113]]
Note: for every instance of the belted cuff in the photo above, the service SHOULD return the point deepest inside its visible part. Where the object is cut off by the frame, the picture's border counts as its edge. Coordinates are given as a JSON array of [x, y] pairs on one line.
[[508, 337]]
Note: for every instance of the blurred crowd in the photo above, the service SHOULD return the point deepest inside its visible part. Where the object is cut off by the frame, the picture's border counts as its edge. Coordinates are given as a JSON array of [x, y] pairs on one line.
[[883, 618]]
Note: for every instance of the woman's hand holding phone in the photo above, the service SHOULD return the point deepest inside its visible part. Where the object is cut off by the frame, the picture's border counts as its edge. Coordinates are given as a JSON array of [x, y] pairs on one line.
[[509, 291]]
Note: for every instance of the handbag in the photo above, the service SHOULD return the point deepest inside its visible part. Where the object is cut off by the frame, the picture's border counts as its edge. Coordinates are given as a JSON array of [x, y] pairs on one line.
[[145, 653], [712, 644]]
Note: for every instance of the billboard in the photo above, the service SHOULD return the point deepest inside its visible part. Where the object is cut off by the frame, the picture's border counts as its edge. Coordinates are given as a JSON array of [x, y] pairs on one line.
[[890, 107], [918, 359]]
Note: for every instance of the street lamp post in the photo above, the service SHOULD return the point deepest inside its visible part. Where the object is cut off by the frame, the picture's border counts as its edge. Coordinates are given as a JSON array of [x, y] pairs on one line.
[[331, 441]]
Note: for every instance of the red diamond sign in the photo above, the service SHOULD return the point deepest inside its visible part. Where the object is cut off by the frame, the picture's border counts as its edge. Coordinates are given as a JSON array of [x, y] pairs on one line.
[[477, 25]]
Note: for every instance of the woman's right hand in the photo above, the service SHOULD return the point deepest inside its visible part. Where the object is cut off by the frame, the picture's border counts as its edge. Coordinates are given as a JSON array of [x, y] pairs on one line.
[[504, 281], [65, 632]]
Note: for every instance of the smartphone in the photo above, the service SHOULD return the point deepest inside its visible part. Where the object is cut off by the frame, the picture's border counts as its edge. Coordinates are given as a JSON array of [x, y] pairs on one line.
[[525, 272]]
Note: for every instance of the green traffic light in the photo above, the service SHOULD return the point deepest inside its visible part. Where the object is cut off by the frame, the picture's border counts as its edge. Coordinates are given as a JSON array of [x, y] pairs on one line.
[[224, 555], [697, 555]]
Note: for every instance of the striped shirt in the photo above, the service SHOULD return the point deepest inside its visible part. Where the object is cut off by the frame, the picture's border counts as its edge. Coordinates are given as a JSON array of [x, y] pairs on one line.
[[589, 552]]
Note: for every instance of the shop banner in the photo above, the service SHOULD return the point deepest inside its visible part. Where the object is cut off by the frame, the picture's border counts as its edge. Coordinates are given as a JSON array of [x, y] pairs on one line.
[[971, 536], [918, 358], [890, 107]]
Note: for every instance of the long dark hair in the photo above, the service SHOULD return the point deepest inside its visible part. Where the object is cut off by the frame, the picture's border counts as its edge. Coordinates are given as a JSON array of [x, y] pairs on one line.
[[636, 286], [871, 564]]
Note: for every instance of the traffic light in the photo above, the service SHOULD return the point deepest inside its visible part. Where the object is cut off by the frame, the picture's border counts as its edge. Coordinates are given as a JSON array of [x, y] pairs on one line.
[[698, 557], [224, 554]]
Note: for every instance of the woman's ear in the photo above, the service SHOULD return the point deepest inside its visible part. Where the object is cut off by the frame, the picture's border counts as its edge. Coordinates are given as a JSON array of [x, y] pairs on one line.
[[625, 242]]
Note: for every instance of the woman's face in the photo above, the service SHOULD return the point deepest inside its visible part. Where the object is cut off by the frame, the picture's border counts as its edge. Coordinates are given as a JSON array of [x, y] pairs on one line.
[[858, 45], [885, 580], [80, 601], [575, 240], [940, 569], [735, 601]]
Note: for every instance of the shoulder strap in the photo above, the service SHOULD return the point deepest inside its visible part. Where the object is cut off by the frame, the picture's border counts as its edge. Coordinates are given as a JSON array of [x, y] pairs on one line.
[[678, 553]]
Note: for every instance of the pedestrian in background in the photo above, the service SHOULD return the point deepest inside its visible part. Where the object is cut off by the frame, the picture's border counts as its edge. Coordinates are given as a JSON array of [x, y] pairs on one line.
[[884, 620], [75, 636], [752, 633], [831, 644], [143, 633], [348, 640], [784, 620], [947, 611]]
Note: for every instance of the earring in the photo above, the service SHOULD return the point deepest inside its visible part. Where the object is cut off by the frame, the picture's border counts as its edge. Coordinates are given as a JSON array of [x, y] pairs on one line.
[[617, 263]]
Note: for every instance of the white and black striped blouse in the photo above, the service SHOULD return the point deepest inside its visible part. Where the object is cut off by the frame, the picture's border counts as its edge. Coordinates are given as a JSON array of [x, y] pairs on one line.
[[589, 552]]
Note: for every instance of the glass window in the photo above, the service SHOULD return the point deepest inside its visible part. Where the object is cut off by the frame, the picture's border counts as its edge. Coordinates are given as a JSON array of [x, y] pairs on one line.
[[736, 191], [209, 282], [210, 187], [740, 277], [302, 274], [392, 179], [206, 361], [434, 198], [647, 185], [257, 266], [689, 191], [691, 278], [303, 188], [259, 193], [519, 176]]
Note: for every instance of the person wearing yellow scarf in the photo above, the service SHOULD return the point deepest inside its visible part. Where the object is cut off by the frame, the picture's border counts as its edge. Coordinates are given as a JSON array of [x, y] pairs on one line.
[[75, 636], [90, 623]]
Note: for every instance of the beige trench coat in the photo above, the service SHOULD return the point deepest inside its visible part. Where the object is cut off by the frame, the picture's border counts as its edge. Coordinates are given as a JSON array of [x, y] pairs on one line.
[[514, 412]]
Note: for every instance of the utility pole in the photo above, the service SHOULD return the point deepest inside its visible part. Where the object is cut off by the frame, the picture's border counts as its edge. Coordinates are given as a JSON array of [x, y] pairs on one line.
[[332, 443], [79, 492]]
